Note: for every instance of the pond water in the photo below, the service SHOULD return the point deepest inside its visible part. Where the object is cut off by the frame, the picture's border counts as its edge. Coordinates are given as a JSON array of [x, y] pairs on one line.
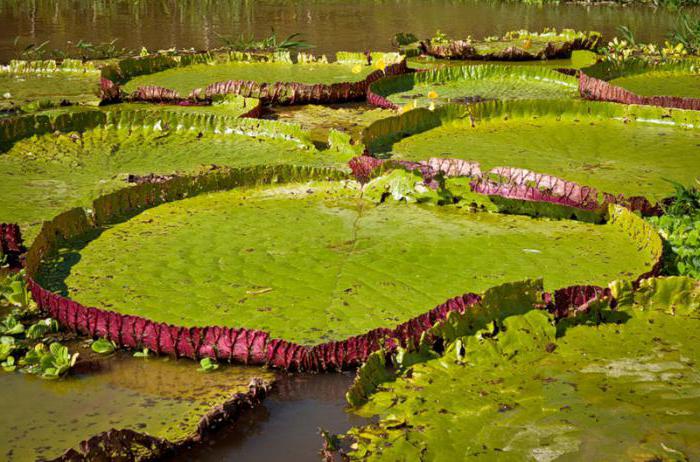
[[286, 426], [331, 25]]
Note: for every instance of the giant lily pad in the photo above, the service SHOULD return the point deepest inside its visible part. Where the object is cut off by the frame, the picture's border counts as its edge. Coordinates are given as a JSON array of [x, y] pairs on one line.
[[25, 85], [624, 387], [187, 78], [470, 84], [95, 152], [315, 262], [164, 398], [611, 147], [516, 45], [662, 83]]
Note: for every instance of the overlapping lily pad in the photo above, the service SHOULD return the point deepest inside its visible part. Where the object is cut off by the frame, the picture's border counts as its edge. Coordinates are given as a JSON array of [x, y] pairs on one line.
[[622, 384], [618, 149], [28, 85], [84, 153], [679, 78], [516, 45], [350, 67], [164, 398], [314, 262], [471, 84]]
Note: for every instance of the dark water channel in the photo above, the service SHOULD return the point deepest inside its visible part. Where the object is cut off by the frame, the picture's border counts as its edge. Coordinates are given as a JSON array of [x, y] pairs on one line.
[[286, 426], [331, 25]]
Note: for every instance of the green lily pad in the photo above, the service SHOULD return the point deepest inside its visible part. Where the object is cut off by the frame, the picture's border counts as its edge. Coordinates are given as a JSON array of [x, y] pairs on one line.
[[471, 84], [515, 45], [315, 262], [613, 148], [164, 398], [662, 84], [56, 171], [26, 85], [579, 59], [187, 78], [625, 388]]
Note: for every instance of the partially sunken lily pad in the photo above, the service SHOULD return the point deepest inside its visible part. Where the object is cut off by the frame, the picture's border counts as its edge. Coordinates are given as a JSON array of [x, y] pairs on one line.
[[579, 59], [316, 262], [350, 119], [516, 45], [617, 149], [626, 387], [95, 152], [187, 78], [27, 85], [164, 398], [471, 84]]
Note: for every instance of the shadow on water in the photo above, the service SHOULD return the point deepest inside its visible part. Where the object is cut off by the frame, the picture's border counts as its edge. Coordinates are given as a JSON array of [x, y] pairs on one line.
[[286, 426]]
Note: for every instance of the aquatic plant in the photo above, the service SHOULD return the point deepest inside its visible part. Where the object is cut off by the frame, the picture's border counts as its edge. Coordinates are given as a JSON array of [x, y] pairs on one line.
[[49, 363], [207, 365], [103, 346], [268, 44], [680, 227]]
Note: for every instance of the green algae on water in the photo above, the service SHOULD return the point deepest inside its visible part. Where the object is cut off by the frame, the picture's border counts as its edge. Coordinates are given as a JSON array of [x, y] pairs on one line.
[[315, 262], [159, 396]]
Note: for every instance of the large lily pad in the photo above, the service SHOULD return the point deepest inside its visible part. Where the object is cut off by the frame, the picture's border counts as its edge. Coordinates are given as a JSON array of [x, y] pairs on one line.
[[316, 262], [164, 398], [471, 84], [187, 78], [25, 85], [516, 46], [662, 83], [610, 147], [98, 150], [625, 388]]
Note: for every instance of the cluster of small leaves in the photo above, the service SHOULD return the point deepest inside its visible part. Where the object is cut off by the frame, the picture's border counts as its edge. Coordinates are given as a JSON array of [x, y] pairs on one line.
[[680, 228], [683, 41], [269, 44], [82, 49], [24, 338]]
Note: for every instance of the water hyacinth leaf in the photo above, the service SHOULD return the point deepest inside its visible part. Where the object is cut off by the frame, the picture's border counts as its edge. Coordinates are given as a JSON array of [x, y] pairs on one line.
[[207, 365], [103, 346]]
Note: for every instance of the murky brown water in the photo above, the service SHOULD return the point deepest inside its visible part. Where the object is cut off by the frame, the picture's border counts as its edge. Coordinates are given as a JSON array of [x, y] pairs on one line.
[[331, 25]]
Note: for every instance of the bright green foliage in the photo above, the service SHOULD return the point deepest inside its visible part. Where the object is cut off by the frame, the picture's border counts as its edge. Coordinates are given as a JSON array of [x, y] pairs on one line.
[[145, 353], [249, 257], [40, 328], [187, 78], [49, 363], [680, 227], [611, 148], [103, 346], [162, 397], [626, 387], [470, 84], [11, 326], [207, 365]]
